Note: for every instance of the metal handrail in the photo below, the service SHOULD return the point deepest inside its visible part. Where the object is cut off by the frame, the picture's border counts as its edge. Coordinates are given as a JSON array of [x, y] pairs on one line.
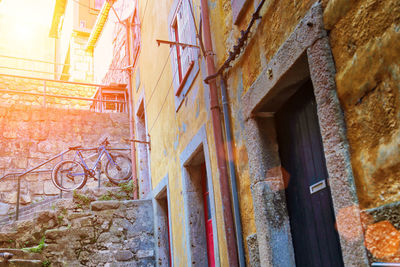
[[44, 93], [35, 170], [29, 171], [60, 96]]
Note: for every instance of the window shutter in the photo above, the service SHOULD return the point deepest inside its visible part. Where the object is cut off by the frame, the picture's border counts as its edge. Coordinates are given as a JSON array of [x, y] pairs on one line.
[[187, 34], [182, 25]]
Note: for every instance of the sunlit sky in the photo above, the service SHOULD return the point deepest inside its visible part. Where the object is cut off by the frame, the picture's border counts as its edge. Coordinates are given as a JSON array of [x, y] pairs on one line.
[[26, 16], [24, 33]]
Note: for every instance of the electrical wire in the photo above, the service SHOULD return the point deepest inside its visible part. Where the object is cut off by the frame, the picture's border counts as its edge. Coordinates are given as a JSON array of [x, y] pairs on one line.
[[33, 60], [37, 71], [162, 71], [159, 78], [239, 47], [144, 12], [165, 100]]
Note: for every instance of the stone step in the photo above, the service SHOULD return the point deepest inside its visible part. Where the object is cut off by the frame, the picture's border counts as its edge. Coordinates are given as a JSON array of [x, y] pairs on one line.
[[26, 211], [22, 254], [21, 263]]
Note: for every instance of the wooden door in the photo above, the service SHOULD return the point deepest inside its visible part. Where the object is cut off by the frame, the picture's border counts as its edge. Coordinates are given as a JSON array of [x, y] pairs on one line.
[[312, 221], [208, 218]]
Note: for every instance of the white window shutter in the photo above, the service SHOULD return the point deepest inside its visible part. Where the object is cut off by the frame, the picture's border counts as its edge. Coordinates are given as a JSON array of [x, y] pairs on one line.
[[183, 35]]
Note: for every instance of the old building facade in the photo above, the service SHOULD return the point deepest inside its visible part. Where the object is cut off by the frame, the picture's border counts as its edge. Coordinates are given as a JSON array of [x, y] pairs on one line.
[[289, 155]]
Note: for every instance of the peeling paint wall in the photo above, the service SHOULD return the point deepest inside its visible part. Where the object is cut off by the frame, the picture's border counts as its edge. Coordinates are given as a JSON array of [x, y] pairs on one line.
[[170, 131], [364, 39], [364, 36], [278, 21]]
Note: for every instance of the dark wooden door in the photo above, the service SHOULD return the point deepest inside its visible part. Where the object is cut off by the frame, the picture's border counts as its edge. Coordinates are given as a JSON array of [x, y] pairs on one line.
[[312, 221]]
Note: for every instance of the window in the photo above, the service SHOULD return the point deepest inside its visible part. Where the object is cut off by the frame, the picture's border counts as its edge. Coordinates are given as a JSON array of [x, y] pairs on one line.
[[185, 59], [96, 5]]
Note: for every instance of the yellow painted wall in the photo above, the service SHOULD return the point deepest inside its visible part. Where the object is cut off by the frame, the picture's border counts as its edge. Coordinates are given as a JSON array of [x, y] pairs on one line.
[[365, 37], [171, 131], [278, 21]]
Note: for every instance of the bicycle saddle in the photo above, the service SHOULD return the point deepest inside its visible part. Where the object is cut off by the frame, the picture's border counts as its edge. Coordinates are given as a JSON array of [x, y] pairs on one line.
[[74, 147]]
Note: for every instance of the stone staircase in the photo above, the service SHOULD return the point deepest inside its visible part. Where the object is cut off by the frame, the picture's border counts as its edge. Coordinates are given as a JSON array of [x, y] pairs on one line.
[[22, 258], [82, 231], [91, 193]]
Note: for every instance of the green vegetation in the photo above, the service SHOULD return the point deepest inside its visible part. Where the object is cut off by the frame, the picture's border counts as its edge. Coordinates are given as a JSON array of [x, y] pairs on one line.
[[46, 263], [81, 198], [127, 187], [60, 219], [64, 211], [38, 249], [107, 196]]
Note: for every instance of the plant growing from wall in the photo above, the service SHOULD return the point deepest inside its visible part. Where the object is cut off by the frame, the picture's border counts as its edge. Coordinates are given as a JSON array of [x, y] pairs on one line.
[[37, 249]]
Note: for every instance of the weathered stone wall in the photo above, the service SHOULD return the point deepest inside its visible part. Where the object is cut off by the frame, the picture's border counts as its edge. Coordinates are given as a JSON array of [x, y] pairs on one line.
[[364, 38], [115, 73], [37, 86], [101, 233], [31, 135], [81, 69], [113, 234]]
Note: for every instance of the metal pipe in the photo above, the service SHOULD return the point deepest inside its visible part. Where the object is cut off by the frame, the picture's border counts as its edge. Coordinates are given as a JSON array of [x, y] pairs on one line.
[[130, 107], [18, 197], [219, 142], [44, 93], [232, 172]]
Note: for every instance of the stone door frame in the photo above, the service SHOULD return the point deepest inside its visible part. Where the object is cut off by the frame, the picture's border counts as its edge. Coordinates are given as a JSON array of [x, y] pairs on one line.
[[161, 191], [305, 54], [198, 144]]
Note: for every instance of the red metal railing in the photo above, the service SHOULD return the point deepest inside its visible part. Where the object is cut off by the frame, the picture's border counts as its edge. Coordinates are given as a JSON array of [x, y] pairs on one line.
[[118, 103]]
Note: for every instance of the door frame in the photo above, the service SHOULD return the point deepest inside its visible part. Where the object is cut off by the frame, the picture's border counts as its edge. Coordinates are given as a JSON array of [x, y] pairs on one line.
[[305, 54], [195, 244], [162, 191]]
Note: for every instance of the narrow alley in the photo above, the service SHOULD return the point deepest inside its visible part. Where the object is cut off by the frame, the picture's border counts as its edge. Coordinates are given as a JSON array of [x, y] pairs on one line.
[[199, 133]]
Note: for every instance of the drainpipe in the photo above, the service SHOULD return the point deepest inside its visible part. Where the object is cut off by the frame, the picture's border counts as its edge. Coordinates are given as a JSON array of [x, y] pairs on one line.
[[130, 109], [219, 142], [232, 172]]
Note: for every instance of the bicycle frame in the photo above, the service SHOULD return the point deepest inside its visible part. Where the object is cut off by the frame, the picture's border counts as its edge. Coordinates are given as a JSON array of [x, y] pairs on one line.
[[102, 149]]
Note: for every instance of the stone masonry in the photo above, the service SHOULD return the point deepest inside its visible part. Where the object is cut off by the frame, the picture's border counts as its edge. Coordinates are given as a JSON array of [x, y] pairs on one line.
[[100, 233], [31, 135]]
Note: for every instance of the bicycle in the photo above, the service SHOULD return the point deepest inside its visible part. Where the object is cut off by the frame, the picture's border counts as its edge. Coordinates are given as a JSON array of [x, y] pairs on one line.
[[69, 175]]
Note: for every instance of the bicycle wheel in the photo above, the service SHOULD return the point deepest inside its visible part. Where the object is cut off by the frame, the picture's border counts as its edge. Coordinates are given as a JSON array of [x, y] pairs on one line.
[[120, 170], [69, 175]]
